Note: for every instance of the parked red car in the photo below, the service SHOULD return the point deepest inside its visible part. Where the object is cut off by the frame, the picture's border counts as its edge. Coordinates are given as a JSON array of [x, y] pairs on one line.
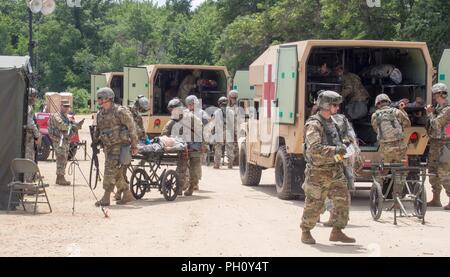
[[46, 145]]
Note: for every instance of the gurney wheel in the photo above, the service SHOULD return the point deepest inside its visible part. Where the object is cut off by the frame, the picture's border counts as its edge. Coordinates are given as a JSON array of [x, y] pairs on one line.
[[170, 185], [420, 202], [376, 201], [138, 183]]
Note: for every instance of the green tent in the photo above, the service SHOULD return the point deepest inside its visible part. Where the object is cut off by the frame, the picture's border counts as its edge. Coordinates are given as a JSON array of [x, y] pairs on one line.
[[14, 82]]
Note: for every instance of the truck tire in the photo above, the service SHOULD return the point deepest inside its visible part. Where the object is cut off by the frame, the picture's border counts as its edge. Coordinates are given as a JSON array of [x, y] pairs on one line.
[[289, 175], [250, 173], [43, 152]]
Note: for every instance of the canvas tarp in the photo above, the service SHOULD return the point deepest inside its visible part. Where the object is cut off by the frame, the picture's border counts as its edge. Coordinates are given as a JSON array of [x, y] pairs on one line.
[[13, 103]]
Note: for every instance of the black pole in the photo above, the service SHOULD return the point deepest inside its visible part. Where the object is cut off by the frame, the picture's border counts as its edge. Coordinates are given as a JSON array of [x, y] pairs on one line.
[[30, 32]]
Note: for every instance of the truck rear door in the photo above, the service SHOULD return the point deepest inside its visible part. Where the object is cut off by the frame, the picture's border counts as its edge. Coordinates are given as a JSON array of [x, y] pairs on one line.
[[97, 82], [286, 84], [135, 83]]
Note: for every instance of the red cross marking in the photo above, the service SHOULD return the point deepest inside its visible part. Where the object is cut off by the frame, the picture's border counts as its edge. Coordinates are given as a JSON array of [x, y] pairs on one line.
[[269, 88]]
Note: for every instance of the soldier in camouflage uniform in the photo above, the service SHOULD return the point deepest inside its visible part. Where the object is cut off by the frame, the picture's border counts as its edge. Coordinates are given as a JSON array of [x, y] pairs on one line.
[[185, 124], [324, 170], [141, 105], [60, 128], [354, 93], [389, 124], [439, 133], [33, 137], [115, 131], [224, 133], [194, 106], [233, 106]]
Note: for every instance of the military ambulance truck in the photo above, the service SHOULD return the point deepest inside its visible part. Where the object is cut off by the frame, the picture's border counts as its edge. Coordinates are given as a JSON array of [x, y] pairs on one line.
[[162, 82], [286, 86]]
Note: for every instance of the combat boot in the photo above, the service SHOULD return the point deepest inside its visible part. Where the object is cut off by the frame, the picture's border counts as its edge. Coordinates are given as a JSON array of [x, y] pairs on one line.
[[436, 201], [105, 201], [118, 195], [60, 180], [196, 187], [338, 235], [189, 191], [307, 238], [447, 208], [216, 166], [127, 197]]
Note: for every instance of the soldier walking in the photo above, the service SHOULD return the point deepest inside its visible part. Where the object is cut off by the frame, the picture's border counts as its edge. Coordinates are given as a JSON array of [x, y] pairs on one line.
[[439, 133], [116, 134], [389, 123], [185, 124], [324, 170], [224, 133]]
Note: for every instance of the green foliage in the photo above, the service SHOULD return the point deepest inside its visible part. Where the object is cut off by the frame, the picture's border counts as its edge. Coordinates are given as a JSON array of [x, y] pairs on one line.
[[80, 99], [106, 35]]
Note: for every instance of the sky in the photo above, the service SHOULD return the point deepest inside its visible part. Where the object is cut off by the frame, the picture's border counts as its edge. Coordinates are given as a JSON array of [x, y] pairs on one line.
[[195, 3]]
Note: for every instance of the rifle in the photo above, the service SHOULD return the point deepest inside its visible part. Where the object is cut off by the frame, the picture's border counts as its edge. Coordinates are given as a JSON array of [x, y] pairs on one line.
[[94, 158]]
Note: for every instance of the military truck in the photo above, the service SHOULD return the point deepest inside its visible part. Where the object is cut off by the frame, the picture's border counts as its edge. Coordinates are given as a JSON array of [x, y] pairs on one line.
[[161, 82], [285, 91], [113, 80]]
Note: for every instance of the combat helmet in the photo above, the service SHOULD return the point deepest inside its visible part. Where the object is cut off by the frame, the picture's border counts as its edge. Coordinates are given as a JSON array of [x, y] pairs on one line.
[[223, 101], [233, 94], [191, 99], [439, 88], [327, 98], [105, 93], [142, 103], [174, 103], [382, 97]]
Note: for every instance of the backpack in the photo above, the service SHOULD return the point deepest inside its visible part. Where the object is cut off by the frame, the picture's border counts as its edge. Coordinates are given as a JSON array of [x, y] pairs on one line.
[[389, 128]]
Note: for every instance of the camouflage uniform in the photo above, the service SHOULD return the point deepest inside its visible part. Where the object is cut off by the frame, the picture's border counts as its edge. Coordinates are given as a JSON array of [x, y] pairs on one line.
[[192, 160], [32, 134], [355, 94], [391, 139], [323, 175], [139, 123], [115, 127], [438, 123], [58, 126], [221, 117]]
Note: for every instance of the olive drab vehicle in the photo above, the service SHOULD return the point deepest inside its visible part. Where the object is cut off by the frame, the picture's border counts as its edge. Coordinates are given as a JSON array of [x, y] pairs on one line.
[[162, 82], [444, 69], [286, 87]]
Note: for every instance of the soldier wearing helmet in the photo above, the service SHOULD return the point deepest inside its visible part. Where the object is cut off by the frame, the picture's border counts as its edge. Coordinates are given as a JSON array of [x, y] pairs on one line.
[[115, 132], [439, 133], [186, 125], [324, 170], [223, 132], [141, 105], [234, 109], [33, 137], [389, 123]]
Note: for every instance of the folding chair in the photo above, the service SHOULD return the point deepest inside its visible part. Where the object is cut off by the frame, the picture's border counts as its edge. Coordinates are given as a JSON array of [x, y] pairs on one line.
[[23, 189]]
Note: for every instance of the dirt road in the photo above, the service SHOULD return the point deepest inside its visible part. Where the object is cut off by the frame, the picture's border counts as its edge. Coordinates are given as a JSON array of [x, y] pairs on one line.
[[223, 219]]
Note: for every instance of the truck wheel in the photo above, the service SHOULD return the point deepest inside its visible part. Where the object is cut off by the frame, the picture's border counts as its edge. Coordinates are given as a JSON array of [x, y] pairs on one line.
[[43, 152], [286, 174], [250, 173]]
